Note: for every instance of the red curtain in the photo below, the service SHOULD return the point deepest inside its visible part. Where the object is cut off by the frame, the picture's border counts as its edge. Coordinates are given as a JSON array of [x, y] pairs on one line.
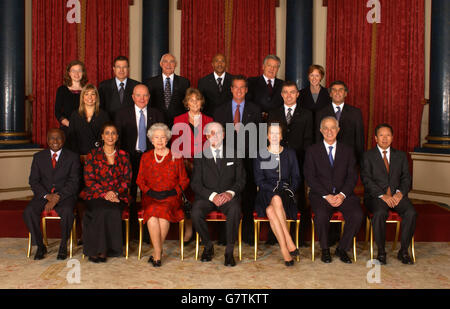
[[398, 74], [202, 36], [104, 36], [400, 71], [54, 45], [206, 25], [253, 36]]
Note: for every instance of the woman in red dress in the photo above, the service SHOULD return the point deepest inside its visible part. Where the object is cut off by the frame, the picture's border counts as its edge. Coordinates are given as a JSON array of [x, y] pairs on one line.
[[161, 178], [191, 133]]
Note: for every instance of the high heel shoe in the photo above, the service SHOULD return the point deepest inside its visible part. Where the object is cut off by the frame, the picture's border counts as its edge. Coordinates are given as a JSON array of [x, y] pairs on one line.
[[156, 263], [295, 253], [189, 241], [289, 263]]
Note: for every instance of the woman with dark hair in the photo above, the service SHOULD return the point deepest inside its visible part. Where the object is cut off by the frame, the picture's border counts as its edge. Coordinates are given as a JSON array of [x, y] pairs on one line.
[[107, 175], [86, 122], [194, 121], [68, 95], [277, 177]]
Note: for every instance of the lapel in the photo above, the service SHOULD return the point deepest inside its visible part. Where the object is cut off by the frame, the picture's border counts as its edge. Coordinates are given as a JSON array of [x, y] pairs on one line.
[[210, 162], [174, 90], [324, 154], [379, 161], [245, 114], [282, 116], [115, 91]]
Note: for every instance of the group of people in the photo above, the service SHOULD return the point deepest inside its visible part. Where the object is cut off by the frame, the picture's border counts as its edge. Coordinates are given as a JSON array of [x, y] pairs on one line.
[[169, 140]]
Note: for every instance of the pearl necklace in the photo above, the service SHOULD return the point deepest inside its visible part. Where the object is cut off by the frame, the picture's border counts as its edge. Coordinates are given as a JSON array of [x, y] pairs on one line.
[[162, 159], [110, 154]]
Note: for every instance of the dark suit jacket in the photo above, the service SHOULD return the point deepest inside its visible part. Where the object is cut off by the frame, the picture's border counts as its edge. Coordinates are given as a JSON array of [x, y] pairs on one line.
[[109, 95], [322, 178], [208, 178], [258, 93], [298, 135], [176, 107], [213, 98], [65, 177], [306, 100], [128, 130], [375, 177], [251, 114], [351, 127]]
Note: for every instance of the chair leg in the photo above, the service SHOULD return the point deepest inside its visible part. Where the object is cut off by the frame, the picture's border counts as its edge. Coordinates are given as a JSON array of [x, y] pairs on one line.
[[240, 240], [366, 241], [342, 228], [29, 245], [354, 249], [181, 228], [297, 230], [312, 239], [397, 231], [127, 237], [140, 239], [72, 236], [71, 244], [412, 249], [44, 231], [255, 227], [196, 245], [371, 241]]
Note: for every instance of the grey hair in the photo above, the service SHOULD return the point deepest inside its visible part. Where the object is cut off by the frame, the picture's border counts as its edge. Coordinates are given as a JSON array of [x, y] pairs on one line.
[[209, 125], [159, 126], [162, 57], [329, 118], [273, 57]]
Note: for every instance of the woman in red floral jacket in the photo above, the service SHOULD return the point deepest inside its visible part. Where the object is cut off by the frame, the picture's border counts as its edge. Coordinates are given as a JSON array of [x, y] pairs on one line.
[[161, 178], [107, 176]]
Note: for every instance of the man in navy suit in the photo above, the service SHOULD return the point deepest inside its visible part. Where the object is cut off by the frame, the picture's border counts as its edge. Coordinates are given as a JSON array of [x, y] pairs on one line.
[[216, 87], [115, 93], [167, 90], [54, 179], [386, 179], [330, 172]]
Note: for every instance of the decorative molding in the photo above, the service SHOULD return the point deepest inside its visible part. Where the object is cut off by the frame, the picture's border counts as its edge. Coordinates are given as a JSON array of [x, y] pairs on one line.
[[277, 3]]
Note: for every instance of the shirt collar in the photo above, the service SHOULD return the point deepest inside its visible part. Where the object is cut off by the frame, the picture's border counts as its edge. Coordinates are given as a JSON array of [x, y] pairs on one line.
[[118, 82], [335, 105], [58, 153], [388, 150], [291, 107], [217, 76], [272, 79], [328, 145], [165, 76], [138, 110]]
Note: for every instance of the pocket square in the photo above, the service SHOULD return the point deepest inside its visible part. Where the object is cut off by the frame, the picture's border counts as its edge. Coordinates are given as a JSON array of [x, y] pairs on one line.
[[230, 163]]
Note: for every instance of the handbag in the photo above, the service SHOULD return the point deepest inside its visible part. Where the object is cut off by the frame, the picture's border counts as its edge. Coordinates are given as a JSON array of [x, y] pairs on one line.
[[187, 205]]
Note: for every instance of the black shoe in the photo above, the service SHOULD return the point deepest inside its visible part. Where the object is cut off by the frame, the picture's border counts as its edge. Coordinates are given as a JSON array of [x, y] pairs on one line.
[[156, 263], [289, 263], [40, 253], [102, 259], [222, 242], [381, 257], [295, 253], [404, 257], [94, 259], [229, 260], [189, 241], [326, 256], [207, 254], [62, 253], [343, 256]]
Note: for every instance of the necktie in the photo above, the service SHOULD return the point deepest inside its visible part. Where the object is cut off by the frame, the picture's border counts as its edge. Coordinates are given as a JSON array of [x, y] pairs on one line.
[[142, 144], [121, 92], [237, 117], [217, 151], [330, 155], [338, 113], [386, 164], [269, 85], [54, 160], [167, 92], [219, 84], [289, 116]]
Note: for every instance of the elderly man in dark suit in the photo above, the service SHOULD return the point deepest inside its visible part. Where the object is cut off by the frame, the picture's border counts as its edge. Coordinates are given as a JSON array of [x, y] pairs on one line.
[[215, 87], [330, 172], [54, 179], [386, 179], [265, 90], [217, 180], [115, 93], [167, 90], [350, 119], [133, 123], [298, 135]]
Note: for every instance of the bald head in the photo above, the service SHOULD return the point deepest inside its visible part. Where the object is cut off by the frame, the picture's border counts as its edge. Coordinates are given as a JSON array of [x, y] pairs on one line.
[[219, 64], [140, 95], [55, 139]]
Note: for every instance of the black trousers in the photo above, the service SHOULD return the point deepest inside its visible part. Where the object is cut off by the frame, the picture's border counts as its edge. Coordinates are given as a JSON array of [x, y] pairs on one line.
[[232, 210], [353, 216], [380, 209], [32, 218]]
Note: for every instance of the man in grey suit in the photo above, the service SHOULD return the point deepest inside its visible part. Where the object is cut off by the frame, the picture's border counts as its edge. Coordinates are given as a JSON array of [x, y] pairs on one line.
[[217, 181], [386, 179]]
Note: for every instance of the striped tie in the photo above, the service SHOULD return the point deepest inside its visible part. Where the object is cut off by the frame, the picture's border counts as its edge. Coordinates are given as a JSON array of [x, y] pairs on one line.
[[167, 93]]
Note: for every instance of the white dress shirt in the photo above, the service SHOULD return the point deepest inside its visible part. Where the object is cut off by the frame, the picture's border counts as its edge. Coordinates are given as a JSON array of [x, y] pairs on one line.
[[272, 80], [137, 110], [171, 81], [333, 153], [213, 150], [291, 107], [335, 106], [118, 83]]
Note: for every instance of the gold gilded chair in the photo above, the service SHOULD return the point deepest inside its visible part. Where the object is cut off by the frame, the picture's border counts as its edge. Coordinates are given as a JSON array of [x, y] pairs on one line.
[[257, 225], [215, 216], [337, 217]]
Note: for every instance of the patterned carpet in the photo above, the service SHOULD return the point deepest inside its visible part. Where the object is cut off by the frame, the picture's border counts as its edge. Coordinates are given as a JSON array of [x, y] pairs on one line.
[[431, 271]]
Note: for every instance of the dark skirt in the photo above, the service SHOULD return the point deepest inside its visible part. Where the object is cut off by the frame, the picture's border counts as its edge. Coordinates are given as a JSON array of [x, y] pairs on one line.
[[102, 228], [263, 199]]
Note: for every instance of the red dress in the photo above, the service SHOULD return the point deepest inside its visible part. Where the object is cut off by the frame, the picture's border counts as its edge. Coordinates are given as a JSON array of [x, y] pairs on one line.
[[167, 175]]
